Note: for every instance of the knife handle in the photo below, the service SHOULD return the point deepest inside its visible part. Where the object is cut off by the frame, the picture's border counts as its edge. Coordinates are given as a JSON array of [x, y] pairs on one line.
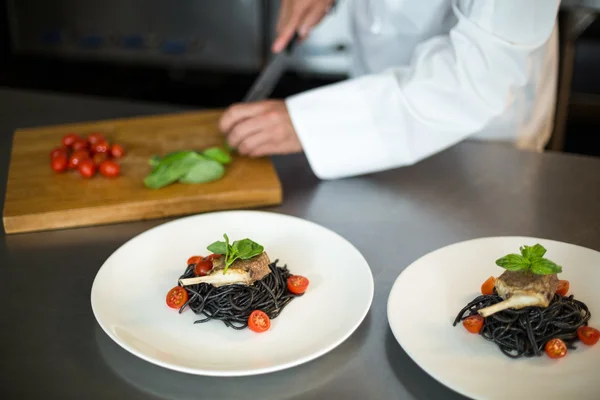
[[292, 43]]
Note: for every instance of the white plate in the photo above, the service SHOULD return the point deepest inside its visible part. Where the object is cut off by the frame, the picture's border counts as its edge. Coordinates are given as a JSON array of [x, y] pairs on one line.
[[128, 295], [428, 295]]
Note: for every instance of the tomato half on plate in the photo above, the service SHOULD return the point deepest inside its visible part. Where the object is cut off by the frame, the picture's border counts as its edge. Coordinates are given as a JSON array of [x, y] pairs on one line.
[[474, 323], [556, 348], [202, 267], [588, 335], [211, 257], [563, 287], [177, 297], [259, 321], [488, 286], [297, 284], [194, 260]]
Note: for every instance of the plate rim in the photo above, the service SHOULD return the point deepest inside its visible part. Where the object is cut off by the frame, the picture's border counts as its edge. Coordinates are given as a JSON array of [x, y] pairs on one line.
[[239, 372], [410, 354]]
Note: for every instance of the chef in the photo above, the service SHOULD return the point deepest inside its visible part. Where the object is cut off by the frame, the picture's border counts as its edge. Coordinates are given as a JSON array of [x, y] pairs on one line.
[[427, 74]]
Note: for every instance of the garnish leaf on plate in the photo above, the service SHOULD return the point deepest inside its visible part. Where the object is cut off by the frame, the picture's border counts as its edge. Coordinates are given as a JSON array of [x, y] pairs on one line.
[[240, 249], [513, 262], [531, 259]]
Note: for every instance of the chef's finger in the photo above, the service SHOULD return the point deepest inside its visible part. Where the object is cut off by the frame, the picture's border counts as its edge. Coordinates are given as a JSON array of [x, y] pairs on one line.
[[243, 130], [289, 28], [253, 142], [284, 14], [266, 149], [312, 18], [239, 112]]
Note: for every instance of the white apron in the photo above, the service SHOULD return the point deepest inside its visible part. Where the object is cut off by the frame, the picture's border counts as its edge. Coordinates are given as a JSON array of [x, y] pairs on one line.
[[429, 74]]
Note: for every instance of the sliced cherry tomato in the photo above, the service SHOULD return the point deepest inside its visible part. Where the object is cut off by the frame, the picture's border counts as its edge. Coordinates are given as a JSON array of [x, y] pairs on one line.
[[110, 169], [211, 257], [59, 163], [202, 267], [563, 288], [99, 158], [87, 168], [69, 139], [194, 259], [488, 286], [101, 146], [77, 157], [79, 144], [59, 151], [474, 323], [177, 297], [588, 335], [259, 321], [297, 284], [94, 138], [117, 151], [556, 348]]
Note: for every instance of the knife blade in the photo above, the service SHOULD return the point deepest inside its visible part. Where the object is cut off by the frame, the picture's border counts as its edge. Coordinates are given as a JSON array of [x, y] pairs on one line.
[[265, 83]]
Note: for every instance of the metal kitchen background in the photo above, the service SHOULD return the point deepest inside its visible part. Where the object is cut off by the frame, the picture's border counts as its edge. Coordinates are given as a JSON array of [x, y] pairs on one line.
[[213, 34]]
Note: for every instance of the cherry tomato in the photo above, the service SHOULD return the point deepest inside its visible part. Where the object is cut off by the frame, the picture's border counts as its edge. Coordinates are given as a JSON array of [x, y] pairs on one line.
[[69, 139], [59, 151], [563, 288], [297, 284], [488, 286], [77, 157], [474, 323], [194, 259], [79, 144], [177, 297], [588, 335], [94, 138], [99, 158], [87, 168], [259, 321], [101, 146], [117, 151], [202, 268], [556, 348], [59, 163], [109, 168], [211, 257]]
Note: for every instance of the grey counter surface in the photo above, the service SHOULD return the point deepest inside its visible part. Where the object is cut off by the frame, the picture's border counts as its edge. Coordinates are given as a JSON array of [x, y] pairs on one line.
[[52, 347]]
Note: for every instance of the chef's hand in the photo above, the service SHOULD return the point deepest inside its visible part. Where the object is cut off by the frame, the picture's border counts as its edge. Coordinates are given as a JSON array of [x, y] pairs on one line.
[[260, 129], [298, 16]]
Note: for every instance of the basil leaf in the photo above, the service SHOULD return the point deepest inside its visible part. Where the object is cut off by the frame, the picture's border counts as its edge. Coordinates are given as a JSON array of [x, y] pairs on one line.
[[531, 252], [543, 266], [218, 248], [217, 154], [513, 262], [171, 169], [248, 249], [154, 161], [204, 170]]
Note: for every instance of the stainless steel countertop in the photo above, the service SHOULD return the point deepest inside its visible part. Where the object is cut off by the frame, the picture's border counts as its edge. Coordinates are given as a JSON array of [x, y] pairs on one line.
[[52, 347]]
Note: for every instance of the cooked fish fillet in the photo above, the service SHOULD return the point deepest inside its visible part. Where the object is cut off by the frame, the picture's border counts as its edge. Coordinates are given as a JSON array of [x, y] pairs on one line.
[[243, 272], [522, 290]]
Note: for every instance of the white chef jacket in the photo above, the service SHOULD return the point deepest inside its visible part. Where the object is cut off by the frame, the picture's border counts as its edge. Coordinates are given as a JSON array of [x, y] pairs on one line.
[[429, 74]]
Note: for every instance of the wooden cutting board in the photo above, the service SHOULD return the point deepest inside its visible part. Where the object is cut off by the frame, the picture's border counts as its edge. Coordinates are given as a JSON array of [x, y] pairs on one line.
[[38, 199]]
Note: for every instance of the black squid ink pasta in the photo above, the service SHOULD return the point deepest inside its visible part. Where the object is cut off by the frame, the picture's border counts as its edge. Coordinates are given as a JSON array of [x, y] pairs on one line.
[[524, 332], [233, 304]]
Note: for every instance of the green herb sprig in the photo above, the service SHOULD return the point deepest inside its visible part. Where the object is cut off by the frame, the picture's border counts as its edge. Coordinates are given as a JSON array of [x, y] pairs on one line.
[[240, 249], [531, 259]]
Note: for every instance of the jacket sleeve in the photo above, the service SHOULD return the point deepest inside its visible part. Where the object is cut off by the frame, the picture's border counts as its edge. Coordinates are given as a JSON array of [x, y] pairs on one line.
[[454, 85]]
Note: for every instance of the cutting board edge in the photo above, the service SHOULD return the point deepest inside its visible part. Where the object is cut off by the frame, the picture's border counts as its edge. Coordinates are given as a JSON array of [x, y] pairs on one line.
[[56, 220], [124, 121]]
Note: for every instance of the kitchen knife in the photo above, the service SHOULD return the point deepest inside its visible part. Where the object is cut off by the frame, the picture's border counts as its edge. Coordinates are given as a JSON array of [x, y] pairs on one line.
[[268, 78]]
